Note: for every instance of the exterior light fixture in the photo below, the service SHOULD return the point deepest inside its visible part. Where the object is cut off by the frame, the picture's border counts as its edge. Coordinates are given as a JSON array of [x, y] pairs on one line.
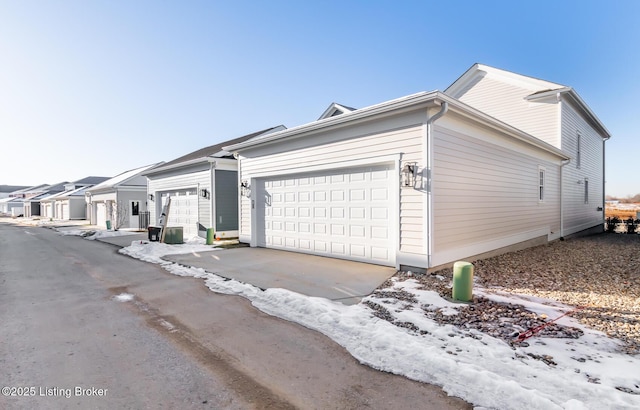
[[204, 193], [245, 189], [409, 174], [150, 196]]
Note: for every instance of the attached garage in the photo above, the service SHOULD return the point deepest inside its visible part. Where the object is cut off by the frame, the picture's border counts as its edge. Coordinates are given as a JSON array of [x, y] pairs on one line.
[[340, 213], [388, 185], [210, 175]]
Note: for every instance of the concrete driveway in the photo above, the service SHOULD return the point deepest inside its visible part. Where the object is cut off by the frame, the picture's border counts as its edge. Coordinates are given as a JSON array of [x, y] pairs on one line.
[[335, 279]]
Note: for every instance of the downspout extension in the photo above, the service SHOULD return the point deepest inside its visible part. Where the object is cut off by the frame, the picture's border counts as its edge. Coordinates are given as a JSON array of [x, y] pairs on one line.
[[562, 165], [444, 107], [604, 194]]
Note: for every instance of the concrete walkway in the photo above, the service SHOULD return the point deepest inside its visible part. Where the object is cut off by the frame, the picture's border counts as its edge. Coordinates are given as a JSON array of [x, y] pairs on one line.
[[335, 279]]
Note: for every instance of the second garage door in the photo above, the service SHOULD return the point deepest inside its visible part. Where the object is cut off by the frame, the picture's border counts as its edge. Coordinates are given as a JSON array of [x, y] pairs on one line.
[[183, 211], [342, 213]]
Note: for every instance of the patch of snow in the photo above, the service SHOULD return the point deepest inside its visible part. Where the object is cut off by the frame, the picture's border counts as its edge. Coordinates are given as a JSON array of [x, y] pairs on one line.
[[124, 297], [474, 366], [154, 251]]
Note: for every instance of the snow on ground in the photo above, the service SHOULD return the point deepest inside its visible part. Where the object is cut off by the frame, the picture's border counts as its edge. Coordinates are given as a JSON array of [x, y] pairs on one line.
[[124, 297], [89, 233], [154, 251], [482, 370]]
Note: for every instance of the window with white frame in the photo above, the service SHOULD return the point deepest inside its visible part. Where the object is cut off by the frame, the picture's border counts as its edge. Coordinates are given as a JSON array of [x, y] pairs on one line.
[[578, 149], [541, 180]]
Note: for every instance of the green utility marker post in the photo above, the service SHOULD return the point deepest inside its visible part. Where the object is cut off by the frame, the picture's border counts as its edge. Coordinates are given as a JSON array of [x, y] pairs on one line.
[[210, 236], [462, 281]]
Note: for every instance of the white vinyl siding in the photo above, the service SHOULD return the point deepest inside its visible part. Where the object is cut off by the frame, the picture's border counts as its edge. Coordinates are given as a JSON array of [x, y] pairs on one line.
[[580, 214], [363, 144], [506, 102], [486, 195]]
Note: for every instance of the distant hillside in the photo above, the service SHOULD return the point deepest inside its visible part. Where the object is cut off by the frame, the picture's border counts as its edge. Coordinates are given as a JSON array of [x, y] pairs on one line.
[[628, 200]]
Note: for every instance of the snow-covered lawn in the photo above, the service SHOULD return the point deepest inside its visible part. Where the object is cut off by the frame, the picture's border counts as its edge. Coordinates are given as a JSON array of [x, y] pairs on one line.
[[482, 370]]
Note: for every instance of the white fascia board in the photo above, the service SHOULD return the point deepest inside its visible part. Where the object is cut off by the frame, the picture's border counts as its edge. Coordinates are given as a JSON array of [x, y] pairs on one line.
[[165, 168], [346, 118], [462, 81], [524, 80], [224, 164], [591, 116], [579, 102]]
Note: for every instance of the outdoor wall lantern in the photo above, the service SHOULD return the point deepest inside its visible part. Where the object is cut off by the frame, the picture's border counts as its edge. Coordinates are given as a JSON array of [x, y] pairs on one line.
[[204, 193], [409, 174], [245, 189], [150, 197]]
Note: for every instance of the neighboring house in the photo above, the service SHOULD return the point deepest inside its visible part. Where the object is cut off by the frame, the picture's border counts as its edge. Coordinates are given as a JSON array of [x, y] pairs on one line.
[[557, 115], [203, 186], [420, 181], [8, 205], [47, 209], [126, 193], [68, 203], [14, 204], [32, 207]]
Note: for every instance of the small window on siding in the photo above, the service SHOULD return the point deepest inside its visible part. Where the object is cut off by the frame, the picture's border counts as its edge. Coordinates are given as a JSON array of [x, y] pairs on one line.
[[541, 181], [578, 150], [586, 191]]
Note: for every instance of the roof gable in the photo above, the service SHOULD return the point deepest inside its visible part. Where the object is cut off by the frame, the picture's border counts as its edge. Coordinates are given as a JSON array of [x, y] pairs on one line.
[[529, 89], [335, 109], [479, 71], [122, 178]]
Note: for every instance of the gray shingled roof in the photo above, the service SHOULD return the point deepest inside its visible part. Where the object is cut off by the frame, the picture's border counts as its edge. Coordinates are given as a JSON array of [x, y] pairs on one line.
[[211, 150], [12, 188], [90, 180]]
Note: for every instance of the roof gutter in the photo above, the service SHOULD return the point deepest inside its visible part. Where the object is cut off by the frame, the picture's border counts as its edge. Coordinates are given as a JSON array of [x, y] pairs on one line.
[[343, 119]]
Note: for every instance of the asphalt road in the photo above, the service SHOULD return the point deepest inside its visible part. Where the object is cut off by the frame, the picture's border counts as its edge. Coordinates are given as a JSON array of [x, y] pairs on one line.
[[67, 342]]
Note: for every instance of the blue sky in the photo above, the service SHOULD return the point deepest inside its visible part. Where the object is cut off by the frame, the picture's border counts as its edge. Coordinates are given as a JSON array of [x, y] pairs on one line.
[[100, 87]]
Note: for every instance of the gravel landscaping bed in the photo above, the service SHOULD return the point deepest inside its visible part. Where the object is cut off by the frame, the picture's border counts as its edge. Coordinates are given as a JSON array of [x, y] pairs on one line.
[[599, 274]]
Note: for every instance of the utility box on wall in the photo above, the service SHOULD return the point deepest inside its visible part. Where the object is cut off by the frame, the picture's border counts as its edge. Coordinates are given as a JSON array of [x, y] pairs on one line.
[[173, 235]]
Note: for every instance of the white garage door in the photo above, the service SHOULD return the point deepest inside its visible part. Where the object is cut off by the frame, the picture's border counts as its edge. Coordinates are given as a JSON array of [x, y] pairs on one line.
[[101, 214], [65, 210], [341, 213], [183, 211]]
